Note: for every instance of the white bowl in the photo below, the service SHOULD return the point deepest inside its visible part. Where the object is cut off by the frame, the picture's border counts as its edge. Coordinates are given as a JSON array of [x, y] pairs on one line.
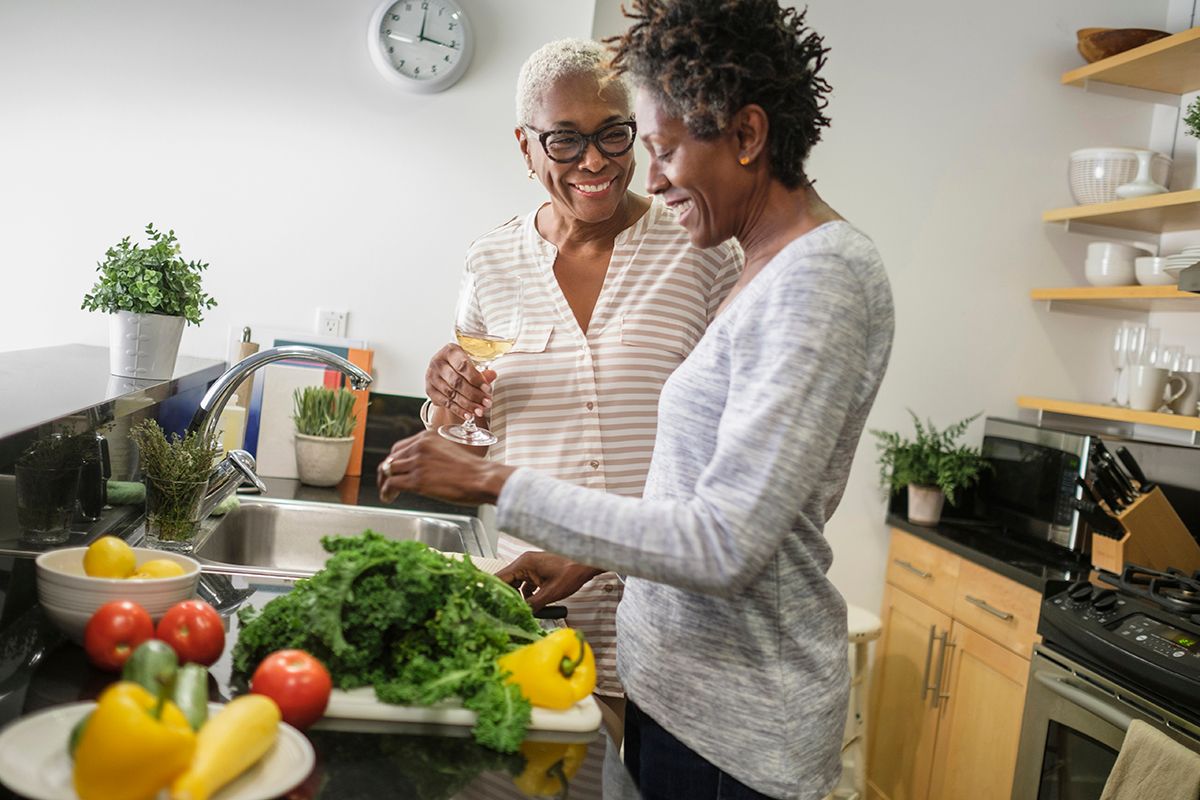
[[69, 596], [1109, 272], [1150, 271], [1099, 250]]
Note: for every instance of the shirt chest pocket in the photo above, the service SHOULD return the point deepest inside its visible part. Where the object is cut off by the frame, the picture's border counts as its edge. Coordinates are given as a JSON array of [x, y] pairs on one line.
[[534, 338], [658, 331]]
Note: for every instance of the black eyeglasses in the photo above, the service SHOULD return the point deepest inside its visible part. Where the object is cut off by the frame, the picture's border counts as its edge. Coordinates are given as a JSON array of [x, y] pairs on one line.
[[567, 146]]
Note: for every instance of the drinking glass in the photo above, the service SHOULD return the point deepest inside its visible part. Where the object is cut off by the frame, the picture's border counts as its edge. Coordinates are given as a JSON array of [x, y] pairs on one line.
[[45, 501], [1119, 353], [486, 325], [173, 513]]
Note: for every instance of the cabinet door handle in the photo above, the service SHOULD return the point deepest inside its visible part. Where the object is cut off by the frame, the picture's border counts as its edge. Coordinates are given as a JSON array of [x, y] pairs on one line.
[[989, 608], [920, 573], [938, 694], [925, 687]]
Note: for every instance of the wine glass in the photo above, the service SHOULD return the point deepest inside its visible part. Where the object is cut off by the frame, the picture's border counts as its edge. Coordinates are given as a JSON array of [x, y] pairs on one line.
[[486, 325], [1120, 358]]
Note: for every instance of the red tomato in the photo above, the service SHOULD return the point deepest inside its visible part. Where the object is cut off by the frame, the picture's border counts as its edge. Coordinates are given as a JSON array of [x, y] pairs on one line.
[[298, 683], [114, 632], [194, 631]]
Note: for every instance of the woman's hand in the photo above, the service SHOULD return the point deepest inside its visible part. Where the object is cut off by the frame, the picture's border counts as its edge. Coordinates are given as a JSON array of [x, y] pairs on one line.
[[453, 382], [435, 467], [545, 578]]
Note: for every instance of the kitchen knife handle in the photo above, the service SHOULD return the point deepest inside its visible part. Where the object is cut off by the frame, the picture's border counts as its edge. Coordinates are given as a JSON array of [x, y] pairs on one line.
[[1090, 489], [1135, 469], [1119, 479]]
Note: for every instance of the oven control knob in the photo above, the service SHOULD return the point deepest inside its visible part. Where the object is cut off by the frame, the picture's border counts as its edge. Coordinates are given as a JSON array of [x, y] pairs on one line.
[[1105, 600], [1080, 592]]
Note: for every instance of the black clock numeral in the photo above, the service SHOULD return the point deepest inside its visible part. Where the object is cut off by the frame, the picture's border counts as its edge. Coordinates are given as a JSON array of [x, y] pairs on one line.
[[446, 58], [417, 71], [434, 70], [454, 42], [452, 25], [391, 49], [441, 11], [401, 64]]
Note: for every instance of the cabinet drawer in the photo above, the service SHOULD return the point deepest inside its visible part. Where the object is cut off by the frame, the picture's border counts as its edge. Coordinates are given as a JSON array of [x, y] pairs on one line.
[[1001, 609], [925, 571]]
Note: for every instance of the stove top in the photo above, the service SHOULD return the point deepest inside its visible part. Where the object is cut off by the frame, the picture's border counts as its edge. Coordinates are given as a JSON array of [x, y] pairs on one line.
[[1144, 632]]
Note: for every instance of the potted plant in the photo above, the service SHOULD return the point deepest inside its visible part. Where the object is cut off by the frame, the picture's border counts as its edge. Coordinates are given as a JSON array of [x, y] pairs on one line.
[[1192, 120], [175, 472], [151, 293], [933, 466], [325, 423], [46, 475]]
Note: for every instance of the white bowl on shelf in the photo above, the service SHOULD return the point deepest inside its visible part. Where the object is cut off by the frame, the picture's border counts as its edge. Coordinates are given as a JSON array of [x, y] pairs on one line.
[[69, 596], [1109, 272], [1151, 271], [1094, 173], [1114, 250]]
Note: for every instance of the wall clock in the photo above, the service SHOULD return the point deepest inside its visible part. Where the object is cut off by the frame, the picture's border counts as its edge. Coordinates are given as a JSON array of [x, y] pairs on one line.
[[422, 45]]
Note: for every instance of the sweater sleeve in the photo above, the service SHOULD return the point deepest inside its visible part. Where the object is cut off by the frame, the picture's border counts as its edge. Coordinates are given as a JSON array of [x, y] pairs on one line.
[[797, 359]]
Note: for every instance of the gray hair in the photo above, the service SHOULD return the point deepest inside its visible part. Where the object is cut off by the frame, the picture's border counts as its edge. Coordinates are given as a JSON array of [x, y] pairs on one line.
[[565, 58]]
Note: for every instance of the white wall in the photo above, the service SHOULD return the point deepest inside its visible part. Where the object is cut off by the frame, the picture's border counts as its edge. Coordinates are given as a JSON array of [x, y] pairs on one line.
[[263, 134]]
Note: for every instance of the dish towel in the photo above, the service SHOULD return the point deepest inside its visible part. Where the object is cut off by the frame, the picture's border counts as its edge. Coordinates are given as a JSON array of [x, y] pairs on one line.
[[1152, 766]]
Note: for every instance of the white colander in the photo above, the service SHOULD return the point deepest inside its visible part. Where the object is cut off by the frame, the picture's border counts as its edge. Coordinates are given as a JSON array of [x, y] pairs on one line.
[[1095, 173]]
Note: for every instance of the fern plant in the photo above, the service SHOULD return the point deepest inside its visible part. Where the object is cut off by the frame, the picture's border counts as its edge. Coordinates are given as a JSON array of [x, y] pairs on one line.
[[149, 280], [320, 411], [933, 459]]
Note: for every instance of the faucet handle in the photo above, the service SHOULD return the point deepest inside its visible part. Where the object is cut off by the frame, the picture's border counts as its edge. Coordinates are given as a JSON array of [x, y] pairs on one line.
[[244, 462]]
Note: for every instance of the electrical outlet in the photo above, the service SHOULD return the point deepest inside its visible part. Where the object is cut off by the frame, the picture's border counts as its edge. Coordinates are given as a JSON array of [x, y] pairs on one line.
[[331, 323]]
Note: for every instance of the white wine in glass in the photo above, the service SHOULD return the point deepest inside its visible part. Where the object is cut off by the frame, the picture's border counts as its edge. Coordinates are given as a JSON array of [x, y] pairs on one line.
[[486, 325]]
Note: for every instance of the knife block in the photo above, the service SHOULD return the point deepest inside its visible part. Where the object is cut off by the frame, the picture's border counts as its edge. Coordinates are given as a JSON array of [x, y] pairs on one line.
[[1154, 537]]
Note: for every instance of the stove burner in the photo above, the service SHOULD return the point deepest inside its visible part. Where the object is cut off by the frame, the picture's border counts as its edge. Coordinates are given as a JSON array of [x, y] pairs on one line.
[[1173, 590]]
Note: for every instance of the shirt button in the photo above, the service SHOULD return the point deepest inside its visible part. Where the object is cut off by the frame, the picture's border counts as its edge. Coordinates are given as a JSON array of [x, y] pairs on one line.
[[594, 464], [590, 405], [608, 587]]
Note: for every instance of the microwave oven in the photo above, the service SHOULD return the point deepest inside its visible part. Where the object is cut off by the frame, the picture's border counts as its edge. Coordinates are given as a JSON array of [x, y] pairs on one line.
[[1031, 485]]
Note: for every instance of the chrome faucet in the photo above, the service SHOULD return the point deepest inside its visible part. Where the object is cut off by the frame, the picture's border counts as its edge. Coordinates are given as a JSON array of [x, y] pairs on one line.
[[238, 465]]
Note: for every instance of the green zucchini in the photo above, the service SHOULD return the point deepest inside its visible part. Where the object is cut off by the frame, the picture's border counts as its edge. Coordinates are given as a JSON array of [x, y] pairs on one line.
[[153, 666], [77, 733], [191, 693]]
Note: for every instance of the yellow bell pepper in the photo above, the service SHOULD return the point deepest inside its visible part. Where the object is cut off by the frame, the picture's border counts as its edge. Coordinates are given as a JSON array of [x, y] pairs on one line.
[[548, 767], [554, 672], [134, 745]]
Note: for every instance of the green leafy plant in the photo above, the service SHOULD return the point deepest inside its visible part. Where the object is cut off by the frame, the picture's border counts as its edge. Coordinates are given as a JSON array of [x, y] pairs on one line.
[[176, 472], [320, 411], [1191, 119], [149, 280], [47, 477], [933, 459]]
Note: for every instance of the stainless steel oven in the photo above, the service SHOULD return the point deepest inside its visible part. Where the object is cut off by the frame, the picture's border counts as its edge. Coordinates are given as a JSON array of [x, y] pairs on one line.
[[1075, 720]]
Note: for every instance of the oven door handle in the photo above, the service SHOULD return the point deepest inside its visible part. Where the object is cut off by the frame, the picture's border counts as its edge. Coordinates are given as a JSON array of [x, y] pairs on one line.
[[1069, 691]]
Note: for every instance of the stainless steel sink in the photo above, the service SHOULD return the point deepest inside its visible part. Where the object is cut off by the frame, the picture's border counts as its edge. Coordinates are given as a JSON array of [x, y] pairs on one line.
[[282, 538]]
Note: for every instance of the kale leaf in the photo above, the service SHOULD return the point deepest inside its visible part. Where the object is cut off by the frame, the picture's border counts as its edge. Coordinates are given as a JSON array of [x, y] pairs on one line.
[[403, 618]]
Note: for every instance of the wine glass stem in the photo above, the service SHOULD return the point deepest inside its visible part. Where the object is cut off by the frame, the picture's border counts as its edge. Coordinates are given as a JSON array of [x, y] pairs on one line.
[[469, 425]]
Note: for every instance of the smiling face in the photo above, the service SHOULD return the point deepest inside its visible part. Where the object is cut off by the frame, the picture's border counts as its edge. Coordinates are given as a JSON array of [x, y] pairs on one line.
[[700, 179], [592, 188]]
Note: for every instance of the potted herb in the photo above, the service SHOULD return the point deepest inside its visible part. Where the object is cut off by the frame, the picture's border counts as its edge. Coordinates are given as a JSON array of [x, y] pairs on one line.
[[1192, 120], [175, 472], [151, 293], [325, 423], [933, 466]]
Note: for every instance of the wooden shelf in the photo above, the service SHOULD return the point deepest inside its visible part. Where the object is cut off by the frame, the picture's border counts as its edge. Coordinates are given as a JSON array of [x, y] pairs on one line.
[[1126, 298], [1158, 213], [1096, 411], [1170, 65]]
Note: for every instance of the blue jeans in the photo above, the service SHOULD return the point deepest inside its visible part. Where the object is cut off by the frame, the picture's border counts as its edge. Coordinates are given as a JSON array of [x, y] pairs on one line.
[[664, 768]]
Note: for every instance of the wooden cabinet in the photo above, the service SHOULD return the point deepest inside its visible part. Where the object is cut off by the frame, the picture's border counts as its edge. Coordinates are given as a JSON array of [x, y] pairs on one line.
[[948, 684]]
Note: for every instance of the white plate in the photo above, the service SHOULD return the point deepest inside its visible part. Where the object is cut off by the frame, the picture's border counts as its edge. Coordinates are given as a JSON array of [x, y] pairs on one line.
[[34, 761]]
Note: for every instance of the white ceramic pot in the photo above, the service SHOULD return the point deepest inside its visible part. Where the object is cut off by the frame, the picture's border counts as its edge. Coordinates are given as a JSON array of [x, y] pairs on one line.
[[1151, 271], [321, 460], [143, 346], [925, 504]]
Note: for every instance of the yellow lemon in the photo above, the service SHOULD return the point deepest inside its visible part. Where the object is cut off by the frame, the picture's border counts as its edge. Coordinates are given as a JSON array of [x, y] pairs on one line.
[[158, 568], [109, 557]]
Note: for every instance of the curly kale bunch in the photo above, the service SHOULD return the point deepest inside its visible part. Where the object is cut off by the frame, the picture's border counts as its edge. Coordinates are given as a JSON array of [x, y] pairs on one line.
[[417, 626]]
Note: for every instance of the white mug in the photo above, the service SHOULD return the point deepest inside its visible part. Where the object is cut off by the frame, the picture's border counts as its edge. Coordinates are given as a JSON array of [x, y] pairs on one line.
[[1148, 386]]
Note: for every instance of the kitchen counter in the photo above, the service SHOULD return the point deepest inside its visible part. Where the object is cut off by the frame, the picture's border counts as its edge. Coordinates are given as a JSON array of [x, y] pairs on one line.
[[1025, 563], [39, 668]]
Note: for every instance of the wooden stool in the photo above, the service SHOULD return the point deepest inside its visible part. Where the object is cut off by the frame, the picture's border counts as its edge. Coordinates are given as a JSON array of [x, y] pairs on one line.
[[863, 627]]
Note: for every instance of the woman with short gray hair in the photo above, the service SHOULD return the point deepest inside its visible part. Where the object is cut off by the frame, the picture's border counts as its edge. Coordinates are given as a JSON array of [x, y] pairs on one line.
[[615, 296]]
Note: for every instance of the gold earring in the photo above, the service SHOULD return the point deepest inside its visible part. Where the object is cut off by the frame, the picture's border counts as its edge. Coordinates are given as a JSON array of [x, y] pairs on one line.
[[744, 160], [531, 174]]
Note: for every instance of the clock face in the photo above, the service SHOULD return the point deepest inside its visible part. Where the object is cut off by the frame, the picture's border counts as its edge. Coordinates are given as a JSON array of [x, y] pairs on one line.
[[425, 44]]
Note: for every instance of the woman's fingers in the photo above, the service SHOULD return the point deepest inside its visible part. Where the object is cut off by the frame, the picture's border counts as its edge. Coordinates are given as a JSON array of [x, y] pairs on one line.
[[453, 382]]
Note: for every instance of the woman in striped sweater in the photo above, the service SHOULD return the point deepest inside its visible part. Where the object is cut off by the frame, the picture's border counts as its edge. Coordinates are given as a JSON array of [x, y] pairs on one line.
[[615, 296]]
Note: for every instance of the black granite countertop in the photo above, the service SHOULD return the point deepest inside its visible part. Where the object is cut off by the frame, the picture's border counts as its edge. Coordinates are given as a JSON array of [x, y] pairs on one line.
[[40, 669], [990, 547]]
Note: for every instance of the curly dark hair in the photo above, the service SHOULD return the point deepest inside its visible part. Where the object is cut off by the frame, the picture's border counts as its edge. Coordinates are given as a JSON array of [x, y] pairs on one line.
[[707, 59]]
